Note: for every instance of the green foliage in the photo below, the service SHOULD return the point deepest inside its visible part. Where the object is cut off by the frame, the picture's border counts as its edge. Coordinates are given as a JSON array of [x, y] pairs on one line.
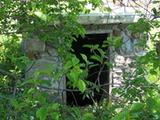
[[115, 42], [141, 26], [42, 113], [52, 21], [55, 22]]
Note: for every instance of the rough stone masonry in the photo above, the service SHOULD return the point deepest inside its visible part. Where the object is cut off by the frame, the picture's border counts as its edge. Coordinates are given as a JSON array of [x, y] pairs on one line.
[[45, 58], [45, 62]]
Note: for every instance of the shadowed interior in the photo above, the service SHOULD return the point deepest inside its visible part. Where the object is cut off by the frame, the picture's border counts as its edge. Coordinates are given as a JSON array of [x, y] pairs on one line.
[[76, 98]]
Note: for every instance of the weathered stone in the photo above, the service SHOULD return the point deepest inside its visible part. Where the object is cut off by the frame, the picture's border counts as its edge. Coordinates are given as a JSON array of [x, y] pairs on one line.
[[33, 44], [117, 75], [119, 59], [44, 68], [119, 64], [40, 65], [117, 70], [128, 61]]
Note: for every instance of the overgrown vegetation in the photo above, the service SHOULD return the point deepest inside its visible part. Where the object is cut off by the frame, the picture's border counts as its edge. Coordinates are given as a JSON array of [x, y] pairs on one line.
[[55, 22]]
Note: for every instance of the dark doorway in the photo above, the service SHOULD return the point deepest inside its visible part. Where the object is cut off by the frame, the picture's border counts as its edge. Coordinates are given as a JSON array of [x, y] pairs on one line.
[[77, 98]]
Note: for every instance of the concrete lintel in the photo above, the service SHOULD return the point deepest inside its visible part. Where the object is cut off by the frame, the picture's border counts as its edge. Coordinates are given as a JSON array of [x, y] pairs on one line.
[[101, 18]]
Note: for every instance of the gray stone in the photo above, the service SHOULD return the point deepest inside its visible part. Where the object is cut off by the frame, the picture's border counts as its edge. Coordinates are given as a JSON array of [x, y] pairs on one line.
[[44, 69], [117, 70], [33, 44]]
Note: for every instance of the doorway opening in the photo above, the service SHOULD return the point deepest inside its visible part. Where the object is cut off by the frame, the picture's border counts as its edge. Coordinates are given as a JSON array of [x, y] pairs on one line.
[[76, 98]]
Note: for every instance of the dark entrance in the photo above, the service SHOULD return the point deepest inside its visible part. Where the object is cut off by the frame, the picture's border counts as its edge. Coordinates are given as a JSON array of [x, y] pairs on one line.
[[77, 98]]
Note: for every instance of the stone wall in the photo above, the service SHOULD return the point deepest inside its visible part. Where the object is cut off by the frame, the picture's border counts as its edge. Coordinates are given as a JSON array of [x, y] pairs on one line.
[[121, 64], [45, 62], [123, 57]]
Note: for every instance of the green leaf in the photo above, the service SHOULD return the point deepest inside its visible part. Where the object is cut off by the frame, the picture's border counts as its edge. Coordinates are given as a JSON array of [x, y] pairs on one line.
[[88, 116], [141, 26], [117, 42], [55, 116], [41, 15], [102, 52], [81, 85], [72, 62], [68, 65], [75, 61], [108, 9], [15, 103], [55, 106], [73, 75], [97, 58], [84, 58], [31, 90], [137, 107], [124, 115], [41, 113], [153, 72], [88, 46], [155, 11]]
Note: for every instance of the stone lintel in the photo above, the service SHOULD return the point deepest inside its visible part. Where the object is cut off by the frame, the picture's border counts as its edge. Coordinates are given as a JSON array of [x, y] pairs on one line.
[[102, 18]]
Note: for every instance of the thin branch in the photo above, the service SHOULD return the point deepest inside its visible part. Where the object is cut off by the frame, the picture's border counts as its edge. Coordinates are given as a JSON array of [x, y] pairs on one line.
[[74, 98], [73, 90], [99, 73], [15, 78], [143, 7]]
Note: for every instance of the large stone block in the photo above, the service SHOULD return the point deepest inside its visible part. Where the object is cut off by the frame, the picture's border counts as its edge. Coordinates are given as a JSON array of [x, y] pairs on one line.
[[45, 65]]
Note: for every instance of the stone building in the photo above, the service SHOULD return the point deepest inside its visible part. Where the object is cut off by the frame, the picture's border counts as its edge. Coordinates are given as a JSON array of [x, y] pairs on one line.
[[98, 25]]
